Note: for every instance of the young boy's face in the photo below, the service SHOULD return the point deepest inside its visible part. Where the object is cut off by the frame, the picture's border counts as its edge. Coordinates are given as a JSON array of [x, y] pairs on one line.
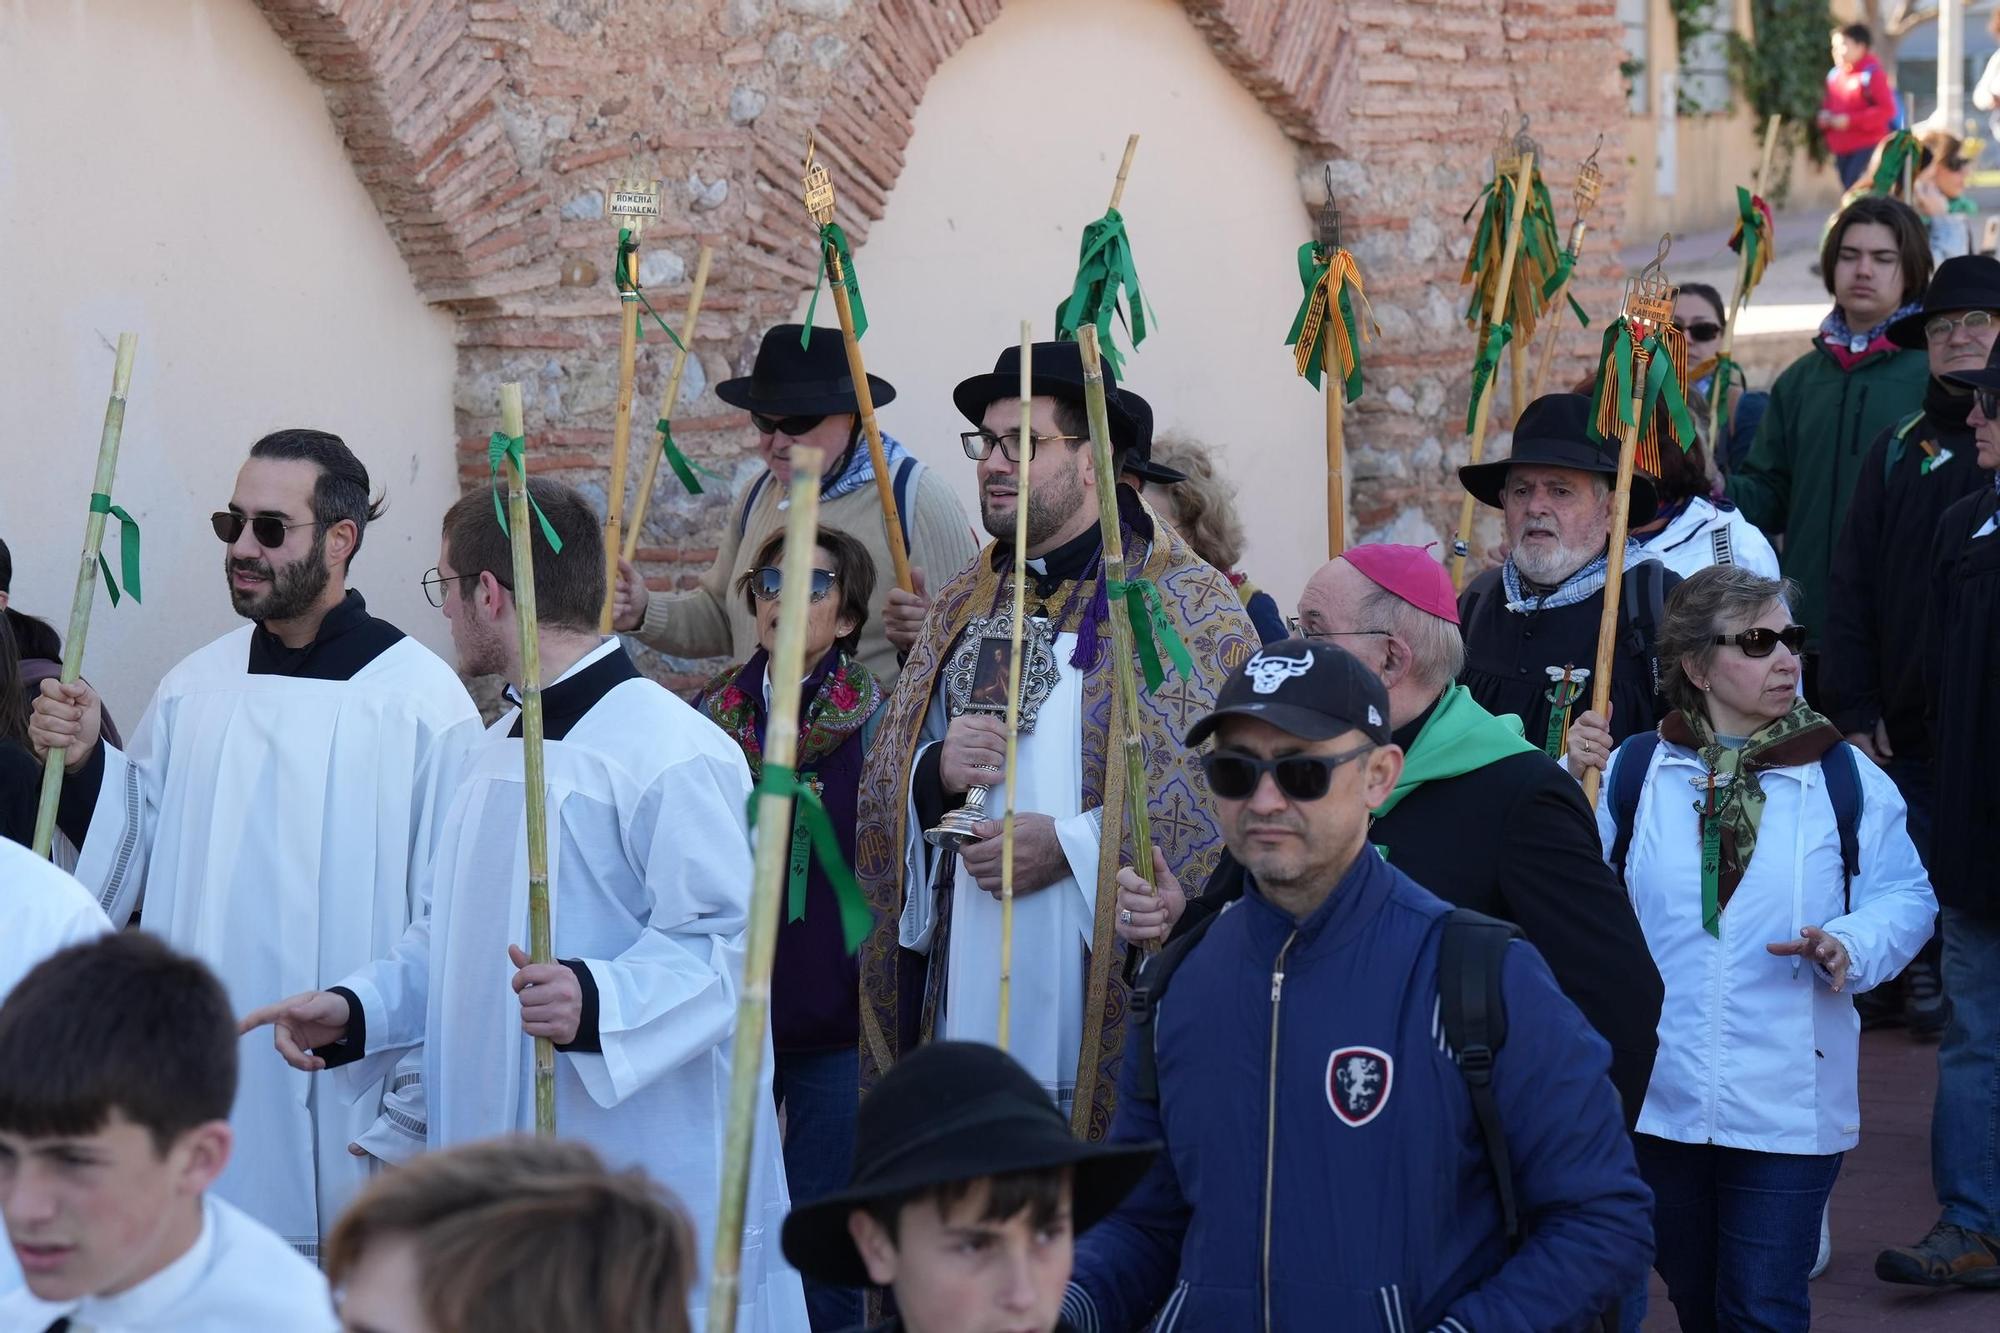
[[95, 1214], [956, 1272]]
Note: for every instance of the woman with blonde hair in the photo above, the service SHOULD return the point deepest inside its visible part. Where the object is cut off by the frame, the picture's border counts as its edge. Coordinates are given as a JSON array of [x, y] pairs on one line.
[[1203, 509]]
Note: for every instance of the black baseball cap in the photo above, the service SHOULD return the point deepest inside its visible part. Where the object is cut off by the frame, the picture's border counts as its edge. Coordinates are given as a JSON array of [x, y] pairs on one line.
[[1313, 690]]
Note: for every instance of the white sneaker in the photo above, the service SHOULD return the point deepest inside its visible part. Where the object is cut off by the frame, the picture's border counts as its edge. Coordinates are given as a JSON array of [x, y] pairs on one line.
[[1825, 1246]]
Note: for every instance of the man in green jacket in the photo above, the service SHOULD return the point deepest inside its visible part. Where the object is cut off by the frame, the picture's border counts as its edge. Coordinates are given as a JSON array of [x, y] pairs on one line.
[[1830, 404]]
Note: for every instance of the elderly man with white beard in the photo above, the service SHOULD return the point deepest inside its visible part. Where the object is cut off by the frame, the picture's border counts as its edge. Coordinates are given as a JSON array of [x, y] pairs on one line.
[[1531, 625]]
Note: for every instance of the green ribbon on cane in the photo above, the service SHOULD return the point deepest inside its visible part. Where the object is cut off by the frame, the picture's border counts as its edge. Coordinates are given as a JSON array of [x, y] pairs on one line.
[[1750, 219], [1901, 147], [1150, 628], [1559, 280], [1497, 338], [812, 833], [1614, 373], [1337, 326], [683, 466], [832, 237], [1662, 382], [1104, 266], [504, 446], [627, 244], [1726, 369], [128, 548]]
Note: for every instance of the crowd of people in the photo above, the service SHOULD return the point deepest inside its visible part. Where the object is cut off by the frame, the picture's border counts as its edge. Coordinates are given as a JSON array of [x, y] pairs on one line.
[[1442, 1001]]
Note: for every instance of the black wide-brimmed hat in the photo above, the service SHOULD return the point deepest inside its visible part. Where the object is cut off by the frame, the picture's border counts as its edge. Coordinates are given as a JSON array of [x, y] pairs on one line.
[[1056, 371], [793, 381], [954, 1111], [1139, 464], [1963, 282], [1555, 432]]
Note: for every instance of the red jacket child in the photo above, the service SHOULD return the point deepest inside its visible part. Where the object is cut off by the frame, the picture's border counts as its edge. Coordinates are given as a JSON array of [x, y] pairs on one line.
[[1861, 92]]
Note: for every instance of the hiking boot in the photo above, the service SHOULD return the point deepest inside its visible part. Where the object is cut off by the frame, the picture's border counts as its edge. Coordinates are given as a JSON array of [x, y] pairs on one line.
[[1951, 1256], [1923, 1001]]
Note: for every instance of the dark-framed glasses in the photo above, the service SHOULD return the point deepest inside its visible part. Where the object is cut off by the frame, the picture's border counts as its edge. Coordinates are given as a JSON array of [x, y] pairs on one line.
[[768, 582], [436, 581], [1940, 327], [1320, 635], [1761, 642], [1989, 403], [792, 426], [979, 444], [1701, 331], [268, 529], [1235, 776]]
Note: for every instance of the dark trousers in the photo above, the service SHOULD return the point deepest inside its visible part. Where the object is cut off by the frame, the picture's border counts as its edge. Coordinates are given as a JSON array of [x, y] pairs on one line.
[[1851, 165], [820, 1092]]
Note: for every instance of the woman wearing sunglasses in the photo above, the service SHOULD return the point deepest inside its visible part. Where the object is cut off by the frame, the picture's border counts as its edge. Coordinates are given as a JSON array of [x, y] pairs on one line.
[[815, 996], [1728, 826], [1701, 318]]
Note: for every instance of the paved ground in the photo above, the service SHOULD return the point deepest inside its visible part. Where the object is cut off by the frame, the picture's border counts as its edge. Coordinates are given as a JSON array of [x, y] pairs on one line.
[[1883, 1198]]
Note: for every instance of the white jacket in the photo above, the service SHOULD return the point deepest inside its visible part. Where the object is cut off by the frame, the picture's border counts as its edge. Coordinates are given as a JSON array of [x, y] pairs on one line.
[[1705, 534], [1757, 1051]]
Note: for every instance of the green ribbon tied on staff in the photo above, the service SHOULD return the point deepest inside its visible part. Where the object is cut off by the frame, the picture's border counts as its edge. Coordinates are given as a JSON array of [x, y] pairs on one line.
[[1900, 149], [503, 446], [1614, 378], [812, 833], [1104, 267], [628, 244], [1497, 338], [1751, 238], [128, 548], [1559, 282], [683, 466], [1663, 383], [831, 237], [1150, 628], [1726, 370]]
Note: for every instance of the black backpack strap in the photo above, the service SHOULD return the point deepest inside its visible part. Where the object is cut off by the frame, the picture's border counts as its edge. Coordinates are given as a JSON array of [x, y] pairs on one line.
[[1144, 1005], [907, 473], [1473, 1014], [1635, 756], [1843, 788], [749, 503]]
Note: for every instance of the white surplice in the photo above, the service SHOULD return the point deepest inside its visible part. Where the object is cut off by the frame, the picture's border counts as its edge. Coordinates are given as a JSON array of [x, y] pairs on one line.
[[272, 825], [649, 889], [236, 1278], [1052, 927]]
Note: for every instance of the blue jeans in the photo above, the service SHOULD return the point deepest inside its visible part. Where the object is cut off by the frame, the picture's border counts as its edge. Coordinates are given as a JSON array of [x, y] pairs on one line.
[[1851, 165], [1965, 1123], [820, 1092], [1735, 1232]]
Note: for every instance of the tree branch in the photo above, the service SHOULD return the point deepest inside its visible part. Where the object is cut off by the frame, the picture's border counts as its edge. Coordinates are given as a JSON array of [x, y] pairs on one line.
[[1907, 17]]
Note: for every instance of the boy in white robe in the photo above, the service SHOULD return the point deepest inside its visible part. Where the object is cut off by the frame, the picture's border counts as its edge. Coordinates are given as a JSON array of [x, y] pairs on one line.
[[649, 887], [117, 1069], [270, 808]]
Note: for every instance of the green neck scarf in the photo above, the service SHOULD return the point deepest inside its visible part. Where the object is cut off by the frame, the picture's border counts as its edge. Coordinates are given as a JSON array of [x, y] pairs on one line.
[[1459, 737]]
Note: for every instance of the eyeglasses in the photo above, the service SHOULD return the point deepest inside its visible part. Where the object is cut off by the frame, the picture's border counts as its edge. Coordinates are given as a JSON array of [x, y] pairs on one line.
[[1301, 632], [1701, 332], [1940, 327], [792, 426], [979, 444], [268, 529], [768, 582], [1760, 642], [1235, 776], [435, 582], [1989, 403]]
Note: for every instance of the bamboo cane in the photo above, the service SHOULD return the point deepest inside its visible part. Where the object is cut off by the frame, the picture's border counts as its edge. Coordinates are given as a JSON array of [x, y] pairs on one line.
[[1718, 410], [520, 532], [864, 399], [1556, 308], [86, 579], [1014, 681], [774, 816], [1336, 467], [668, 398], [1614, 566], [1518, 356], [621, 434], [1482, 412]]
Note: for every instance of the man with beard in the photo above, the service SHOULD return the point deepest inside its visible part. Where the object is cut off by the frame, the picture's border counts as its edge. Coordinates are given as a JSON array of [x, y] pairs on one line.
[[932, 965], [274, 803], [1531, 625]]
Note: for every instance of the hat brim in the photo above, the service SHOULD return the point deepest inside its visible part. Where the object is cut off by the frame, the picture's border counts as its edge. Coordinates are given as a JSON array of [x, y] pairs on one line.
[[973, 396], [1308, 724], [1986, 377], [802, 400], [1486, 481], [816, 1239], [1155, 474]]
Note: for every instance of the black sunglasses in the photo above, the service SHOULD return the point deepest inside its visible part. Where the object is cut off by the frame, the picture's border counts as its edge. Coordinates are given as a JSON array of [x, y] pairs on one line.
[[1760, 642], [268, 529], [768, 582], [1235, 776], [792, 426], [1989, 403], [1701, 332]]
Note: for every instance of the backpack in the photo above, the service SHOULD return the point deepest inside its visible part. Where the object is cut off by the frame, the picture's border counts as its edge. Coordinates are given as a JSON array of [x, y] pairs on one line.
[[1641, 606], [907, 473], [1471, 1012], [1836, 766]]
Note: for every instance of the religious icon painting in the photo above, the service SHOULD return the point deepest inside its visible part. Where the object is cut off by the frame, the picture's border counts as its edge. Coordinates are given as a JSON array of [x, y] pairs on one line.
[[990, 672], [1358, 1079]]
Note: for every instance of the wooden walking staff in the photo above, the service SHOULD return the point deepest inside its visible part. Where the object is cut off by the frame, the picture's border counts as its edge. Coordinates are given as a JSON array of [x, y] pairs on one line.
[[1325, 340], [630, 202], [839, 265], [86, 573], [773, 815], [1589, 186], [668, 398], [1753, 254], [1523, 171], [1014, 679]]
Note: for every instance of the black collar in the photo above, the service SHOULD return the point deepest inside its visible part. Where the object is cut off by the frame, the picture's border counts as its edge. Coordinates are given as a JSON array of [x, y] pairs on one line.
[[1406, 735], [1077, 556], [348, 640], [565, 702]]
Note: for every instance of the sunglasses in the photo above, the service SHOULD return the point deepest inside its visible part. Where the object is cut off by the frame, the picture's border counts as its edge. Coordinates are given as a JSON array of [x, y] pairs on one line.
[[1941, 327], [792, 426], [1235, 776], [1761, 642], [768, 582], [268, 529], [1989, 403], [1701, 332], [979, 444]]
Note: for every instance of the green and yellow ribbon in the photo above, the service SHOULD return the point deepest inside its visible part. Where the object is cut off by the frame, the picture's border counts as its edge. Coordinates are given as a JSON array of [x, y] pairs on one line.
[[627, 245], [1611, 398], [1328, 283], [812, 834], [1150, 628], [1663, 384], [1104, 267], [831, 237], [128, 548], [1497, 338], [499, 448], [1752, 237]]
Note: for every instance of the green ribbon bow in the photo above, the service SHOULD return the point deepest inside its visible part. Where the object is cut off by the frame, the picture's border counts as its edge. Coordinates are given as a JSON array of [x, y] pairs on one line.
[[128, 548], [831, 236], [627, 244], [1614, 375], [1902, 146], [1150, 628], [812, 833], [504, 446], [1316, 267], [683, 466], [1751, 219], [1565, 268], [1103, 267], [1497, 338], [1661, 382]]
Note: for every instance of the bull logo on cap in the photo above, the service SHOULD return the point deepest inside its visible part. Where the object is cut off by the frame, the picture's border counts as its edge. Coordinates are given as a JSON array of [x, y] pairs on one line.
[[1267, 673], [1357, 1083]]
